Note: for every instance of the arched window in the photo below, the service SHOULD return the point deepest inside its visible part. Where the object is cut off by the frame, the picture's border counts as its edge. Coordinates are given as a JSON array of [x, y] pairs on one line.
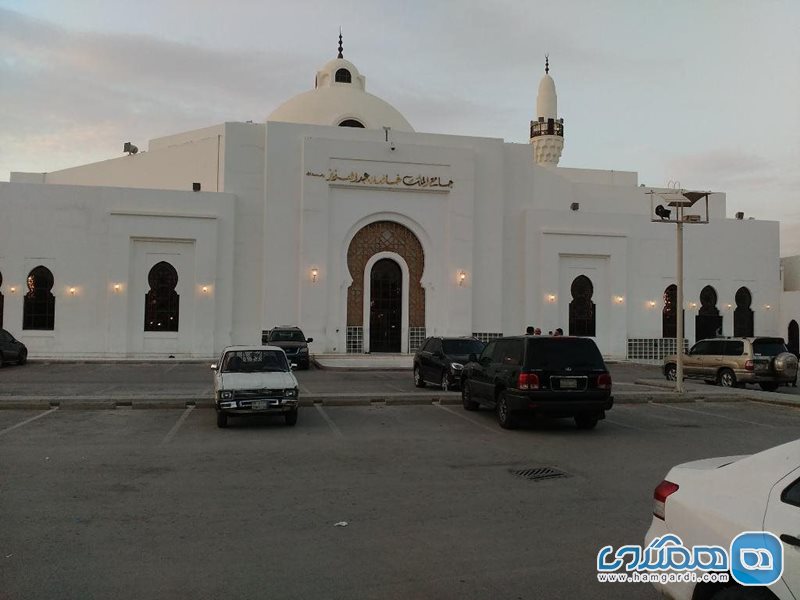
[[162, 301], [581, 309], [351, 123], [708, 322], [793, 339], [669, 314], [343, 76], [743, 315], [39, 305], [1, 301]]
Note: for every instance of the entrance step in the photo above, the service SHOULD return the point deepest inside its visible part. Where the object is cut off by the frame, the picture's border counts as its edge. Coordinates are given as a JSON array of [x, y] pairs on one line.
[[371, 362]]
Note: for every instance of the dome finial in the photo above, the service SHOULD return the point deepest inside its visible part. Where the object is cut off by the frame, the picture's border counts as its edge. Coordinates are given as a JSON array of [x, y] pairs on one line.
[[546, 62], [340, 44]]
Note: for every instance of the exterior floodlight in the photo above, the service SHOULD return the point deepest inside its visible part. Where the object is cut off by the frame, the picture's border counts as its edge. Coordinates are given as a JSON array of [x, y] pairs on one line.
[[129, 148]]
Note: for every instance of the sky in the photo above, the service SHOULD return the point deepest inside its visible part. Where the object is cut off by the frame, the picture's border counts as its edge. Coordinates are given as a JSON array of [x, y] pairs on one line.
[[704, 92]]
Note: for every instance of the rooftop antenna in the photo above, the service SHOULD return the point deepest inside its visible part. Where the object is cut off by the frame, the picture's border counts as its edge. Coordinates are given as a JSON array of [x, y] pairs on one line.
[[546, 63], [340, 44]]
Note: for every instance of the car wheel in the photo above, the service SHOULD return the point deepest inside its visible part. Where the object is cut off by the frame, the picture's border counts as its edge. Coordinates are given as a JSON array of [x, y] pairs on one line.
[[726, 378], [291, 418], [466, 397], [671, 372], [222, 419], [447, 381], [418, 381], [742, 593], [504, 416], [586, 421], [769, 386], [23, 357]]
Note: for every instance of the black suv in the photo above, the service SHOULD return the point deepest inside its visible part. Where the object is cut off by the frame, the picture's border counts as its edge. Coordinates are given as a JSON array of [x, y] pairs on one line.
[[292, 341], [439, 360], [548, 376]]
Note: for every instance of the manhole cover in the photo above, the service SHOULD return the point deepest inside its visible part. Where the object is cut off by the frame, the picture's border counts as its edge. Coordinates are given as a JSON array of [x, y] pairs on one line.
[[538, 473]]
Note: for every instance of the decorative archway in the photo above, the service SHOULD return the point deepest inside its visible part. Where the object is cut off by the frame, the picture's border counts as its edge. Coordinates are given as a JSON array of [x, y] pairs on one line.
[[162, 302], [373, 242], [39, 304], [1, 301], [582, 309], [743, 314], [708, 322], [669, 314], [793, 337]]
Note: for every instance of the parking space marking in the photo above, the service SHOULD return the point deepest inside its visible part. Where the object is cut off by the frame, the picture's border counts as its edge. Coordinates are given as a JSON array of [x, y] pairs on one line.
[[26, 421], [467, 418], [617, 423], [174, 430], [711, 414], [336, 431]]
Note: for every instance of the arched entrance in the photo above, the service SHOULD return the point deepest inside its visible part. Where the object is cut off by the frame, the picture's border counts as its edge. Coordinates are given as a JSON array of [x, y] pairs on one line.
[[793, 337], [386, 262], [708, 322], [743, 315], [385, 306], [581, 309], [669, 314]]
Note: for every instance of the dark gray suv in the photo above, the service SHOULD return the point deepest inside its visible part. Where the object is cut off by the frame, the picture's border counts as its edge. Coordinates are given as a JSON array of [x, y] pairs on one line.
[[293, 342], [549, 376]]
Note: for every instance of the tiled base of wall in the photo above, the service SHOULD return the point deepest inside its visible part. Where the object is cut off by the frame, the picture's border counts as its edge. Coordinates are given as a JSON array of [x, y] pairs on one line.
[[653, 349], [486, 337], [355, 339]]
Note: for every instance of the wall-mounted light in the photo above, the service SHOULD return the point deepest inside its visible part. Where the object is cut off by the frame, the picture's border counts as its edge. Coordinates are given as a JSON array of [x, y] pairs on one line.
[[72, 291], [651, 304], [204, 289], [462, 277], [117, 288], [692, 304], [13, 289], [314, 274], [729, 306], [767, 306], [619, 299], [551, 298]]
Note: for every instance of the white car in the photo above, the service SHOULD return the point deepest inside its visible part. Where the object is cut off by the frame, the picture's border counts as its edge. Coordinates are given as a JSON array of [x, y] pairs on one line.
[[254, 380], [711, 501]]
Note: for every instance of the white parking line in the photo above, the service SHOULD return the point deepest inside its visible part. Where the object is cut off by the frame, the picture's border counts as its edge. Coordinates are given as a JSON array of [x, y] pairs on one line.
[[470, 419], [174, 430], [336, 431], [26, 421], [710, 414]]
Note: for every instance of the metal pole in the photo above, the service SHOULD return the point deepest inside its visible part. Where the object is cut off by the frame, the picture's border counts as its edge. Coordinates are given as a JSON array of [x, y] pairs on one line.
[[679, 302]]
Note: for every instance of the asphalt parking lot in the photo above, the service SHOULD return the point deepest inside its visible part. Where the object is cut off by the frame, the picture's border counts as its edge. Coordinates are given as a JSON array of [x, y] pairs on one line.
[[162, 504]]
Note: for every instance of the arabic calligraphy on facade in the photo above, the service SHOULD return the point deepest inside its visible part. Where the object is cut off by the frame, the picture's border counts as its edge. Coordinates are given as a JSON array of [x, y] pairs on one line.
[[420, 181]]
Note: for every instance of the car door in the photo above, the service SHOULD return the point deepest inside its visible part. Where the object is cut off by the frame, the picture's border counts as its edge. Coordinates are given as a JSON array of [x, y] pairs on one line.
[[479, 372], [693, 362], [783, 519], [509, 361], [432, 362], [714, 358], [422, 357]]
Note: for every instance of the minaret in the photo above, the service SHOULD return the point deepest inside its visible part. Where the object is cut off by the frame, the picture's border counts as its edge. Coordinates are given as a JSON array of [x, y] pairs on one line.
[[547, 131]]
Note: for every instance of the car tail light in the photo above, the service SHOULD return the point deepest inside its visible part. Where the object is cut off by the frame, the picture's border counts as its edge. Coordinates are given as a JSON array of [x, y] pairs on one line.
[[663, 491], [748, 366], [604, 381], [528, 381]]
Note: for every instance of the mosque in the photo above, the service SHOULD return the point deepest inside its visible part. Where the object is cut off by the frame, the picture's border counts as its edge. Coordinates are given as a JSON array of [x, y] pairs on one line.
[[335, 215]]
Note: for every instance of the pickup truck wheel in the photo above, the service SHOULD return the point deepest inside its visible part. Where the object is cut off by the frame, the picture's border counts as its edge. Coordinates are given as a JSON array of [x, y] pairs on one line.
[[291, 418], [671, 372], [726, 378], [222, 420], [504, 416], [418, 381], [586, 421], [769, 386], [466, 397]]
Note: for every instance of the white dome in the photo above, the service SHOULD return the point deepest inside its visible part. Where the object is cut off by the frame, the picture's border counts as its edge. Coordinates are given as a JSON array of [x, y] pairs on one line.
[[546, 99], [332, 101]]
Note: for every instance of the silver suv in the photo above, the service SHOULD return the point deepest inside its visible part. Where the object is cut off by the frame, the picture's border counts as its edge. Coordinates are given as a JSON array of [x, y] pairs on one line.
[[732, 362]]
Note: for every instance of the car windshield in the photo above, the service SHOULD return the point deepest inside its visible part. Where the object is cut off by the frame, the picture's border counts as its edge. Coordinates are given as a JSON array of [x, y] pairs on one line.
[[286, 335], [462, 347], [254, 361], [768, 346], [560, 353]]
